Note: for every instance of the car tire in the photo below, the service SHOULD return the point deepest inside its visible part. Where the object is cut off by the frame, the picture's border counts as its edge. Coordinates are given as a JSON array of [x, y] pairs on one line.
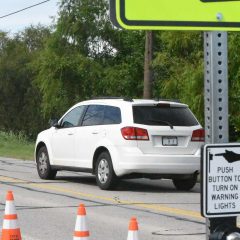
[[105, 176], [185, 184], [43, 165]]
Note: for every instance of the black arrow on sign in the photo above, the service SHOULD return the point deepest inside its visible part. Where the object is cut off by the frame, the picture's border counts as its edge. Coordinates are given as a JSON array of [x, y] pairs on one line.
[[229, 156]]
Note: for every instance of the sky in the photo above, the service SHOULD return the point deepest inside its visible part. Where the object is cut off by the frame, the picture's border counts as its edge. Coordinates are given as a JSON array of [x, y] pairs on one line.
[[40, 14]]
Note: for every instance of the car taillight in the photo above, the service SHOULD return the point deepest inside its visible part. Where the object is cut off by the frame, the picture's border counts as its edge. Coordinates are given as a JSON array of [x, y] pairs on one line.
[[198, 135], [134, 133]]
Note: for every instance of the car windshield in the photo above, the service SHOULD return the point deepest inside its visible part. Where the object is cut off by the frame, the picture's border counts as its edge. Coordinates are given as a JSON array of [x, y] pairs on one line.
[[164, 116]]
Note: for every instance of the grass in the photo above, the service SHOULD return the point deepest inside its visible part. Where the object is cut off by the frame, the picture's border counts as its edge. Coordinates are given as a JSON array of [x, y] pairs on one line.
[[16, 146]]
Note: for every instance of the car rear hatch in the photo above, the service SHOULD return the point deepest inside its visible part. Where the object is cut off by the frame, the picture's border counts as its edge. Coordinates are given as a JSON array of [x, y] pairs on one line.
[[171, 127]]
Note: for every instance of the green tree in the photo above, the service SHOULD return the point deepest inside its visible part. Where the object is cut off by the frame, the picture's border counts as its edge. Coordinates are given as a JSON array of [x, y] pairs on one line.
[[87, 57], [179, 71], [234, 85], [44, 71], [20, 108]]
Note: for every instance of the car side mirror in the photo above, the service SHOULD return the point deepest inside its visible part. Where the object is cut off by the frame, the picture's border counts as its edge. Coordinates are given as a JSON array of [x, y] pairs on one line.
[[54, 123]]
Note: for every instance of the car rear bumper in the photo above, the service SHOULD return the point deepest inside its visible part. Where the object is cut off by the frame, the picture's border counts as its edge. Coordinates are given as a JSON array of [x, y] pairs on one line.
[[136, 162]]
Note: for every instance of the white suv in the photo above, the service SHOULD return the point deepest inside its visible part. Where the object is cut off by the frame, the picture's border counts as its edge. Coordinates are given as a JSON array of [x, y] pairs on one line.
[[123, 138]]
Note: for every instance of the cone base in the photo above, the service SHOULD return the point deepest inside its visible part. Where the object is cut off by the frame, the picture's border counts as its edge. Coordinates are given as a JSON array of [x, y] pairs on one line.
[[11, 234]]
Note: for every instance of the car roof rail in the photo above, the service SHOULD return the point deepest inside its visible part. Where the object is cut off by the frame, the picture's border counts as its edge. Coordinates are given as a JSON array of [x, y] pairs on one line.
[[127, 99], [168, 100]]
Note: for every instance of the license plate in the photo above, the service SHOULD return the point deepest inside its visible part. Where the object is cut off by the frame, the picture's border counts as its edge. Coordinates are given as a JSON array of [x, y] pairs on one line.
[[169, 141]]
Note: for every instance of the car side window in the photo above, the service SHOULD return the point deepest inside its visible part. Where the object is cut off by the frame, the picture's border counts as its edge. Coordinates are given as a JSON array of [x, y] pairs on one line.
[[94, 115], [72, 118], [112, 115]]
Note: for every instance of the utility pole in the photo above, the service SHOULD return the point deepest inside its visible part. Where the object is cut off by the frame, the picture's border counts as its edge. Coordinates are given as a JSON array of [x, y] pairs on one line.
[[148, 74]]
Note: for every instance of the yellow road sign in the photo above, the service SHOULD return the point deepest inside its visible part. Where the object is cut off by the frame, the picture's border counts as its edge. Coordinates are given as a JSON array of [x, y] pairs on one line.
[[206, 15]]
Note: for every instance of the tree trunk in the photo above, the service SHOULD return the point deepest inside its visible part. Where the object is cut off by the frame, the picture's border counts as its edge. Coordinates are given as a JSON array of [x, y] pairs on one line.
[[148, 75]]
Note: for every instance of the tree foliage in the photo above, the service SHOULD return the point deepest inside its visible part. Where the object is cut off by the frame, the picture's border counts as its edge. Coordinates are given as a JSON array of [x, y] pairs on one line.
[[44, 71], [87, 57], [178, 68], [19, 97]]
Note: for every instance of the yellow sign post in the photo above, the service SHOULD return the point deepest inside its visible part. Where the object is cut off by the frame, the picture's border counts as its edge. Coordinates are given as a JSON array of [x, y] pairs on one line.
[[203, 15]]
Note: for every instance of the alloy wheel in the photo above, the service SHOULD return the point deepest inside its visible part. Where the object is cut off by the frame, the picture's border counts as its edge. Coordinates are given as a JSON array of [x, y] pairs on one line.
[[103, 171], [42, 163]]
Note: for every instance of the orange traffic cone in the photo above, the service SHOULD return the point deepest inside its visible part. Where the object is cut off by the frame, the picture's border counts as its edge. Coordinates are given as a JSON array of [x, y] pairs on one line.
[[10, 230], [133, 229], [81, 229]]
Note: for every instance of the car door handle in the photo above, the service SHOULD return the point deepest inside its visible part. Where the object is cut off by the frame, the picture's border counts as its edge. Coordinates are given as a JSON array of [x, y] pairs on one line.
[[70, 134], [95, 132], [102, 132]]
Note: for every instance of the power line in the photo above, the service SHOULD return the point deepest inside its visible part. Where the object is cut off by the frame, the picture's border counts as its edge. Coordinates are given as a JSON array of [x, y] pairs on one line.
[[12, 13]]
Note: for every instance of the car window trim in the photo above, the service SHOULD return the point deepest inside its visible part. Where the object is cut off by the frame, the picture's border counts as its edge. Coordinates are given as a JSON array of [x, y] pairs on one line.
[[83, 116]]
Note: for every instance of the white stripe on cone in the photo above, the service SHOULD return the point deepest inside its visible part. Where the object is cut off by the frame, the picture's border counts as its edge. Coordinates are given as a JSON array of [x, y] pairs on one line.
[[81, 224], [10, 224], [10, 208], [132, 235]]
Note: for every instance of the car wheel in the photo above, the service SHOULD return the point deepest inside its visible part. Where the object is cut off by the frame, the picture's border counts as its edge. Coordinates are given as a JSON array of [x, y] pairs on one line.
[[185, 184], [43, 166], [105, 175]]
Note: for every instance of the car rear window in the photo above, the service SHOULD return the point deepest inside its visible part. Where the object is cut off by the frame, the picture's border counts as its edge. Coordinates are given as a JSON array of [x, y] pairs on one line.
[[164, 116]]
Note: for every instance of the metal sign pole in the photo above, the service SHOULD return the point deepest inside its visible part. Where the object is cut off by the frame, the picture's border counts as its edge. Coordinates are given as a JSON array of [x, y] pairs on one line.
[[216, 87], [216, 104]]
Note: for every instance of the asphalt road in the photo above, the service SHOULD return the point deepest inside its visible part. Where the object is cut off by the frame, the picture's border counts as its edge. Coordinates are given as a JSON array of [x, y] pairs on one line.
[[47, 209]]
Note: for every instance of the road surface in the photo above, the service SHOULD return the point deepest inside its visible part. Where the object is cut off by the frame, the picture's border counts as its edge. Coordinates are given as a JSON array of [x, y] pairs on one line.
[[47, 209]]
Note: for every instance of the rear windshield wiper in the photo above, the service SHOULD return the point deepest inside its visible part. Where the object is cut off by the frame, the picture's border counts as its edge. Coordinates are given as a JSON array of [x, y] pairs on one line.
[[161, 121]]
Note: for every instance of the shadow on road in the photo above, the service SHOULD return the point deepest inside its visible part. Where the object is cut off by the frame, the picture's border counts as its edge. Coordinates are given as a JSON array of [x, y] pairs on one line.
[[136, 185]]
